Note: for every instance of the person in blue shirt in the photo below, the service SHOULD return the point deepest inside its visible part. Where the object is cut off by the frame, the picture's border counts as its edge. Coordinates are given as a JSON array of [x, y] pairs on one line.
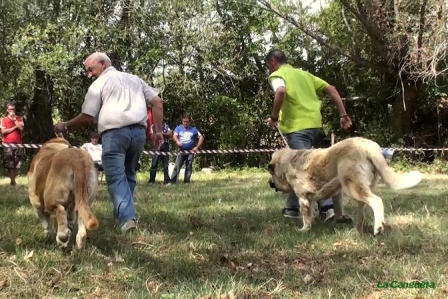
[[167, 134], [185, 136]]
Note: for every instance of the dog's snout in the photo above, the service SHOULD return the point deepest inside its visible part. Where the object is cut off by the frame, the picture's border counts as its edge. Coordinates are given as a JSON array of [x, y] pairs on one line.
[[272, 184]]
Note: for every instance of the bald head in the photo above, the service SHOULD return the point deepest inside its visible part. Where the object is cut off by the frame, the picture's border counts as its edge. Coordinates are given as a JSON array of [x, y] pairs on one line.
[[98, 57], [96, 63]]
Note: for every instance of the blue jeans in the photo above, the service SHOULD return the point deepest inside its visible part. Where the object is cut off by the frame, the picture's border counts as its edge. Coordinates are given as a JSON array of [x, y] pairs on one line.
[[304, 139], [155, 162], [121, 151], [181, 158]]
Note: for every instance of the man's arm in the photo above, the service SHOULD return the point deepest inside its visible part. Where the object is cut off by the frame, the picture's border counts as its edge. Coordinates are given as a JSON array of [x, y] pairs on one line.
[[5, 130], [152, 99], [80, 121], [322, 86], [168, 134], [176, 139], [332, 92], [157, 114], [200, 141], [90, 109], [19, 124], [279, 87]]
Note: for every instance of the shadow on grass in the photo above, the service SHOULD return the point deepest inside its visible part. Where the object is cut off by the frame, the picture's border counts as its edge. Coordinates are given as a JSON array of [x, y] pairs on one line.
[[211, 231]]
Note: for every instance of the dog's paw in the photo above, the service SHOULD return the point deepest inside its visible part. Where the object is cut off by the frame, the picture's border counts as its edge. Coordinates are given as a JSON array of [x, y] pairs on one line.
[[63, 238], [81, 242], [379, 229]]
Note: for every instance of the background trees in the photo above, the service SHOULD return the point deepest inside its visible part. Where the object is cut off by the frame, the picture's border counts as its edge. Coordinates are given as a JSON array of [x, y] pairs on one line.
[[206, 57]]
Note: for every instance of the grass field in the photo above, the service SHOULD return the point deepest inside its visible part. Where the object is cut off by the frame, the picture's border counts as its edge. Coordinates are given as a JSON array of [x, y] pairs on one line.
[[223, 236]]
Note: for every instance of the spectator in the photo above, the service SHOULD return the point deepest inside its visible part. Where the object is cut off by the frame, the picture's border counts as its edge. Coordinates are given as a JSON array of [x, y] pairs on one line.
[[12, 126], [185, 136], [167, 134], [118, 101], [95, 149], [297, 109]]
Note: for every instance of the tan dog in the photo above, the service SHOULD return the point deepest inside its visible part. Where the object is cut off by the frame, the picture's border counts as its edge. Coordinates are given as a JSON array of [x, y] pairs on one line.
[[61, 182], [352, 166]]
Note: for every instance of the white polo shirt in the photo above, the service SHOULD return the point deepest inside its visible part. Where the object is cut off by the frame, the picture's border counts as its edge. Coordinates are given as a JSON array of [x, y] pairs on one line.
[[95, 151], [117, 99]]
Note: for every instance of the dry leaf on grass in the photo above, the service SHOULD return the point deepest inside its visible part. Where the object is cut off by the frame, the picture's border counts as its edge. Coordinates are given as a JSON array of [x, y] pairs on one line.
[[153, 287], [266, 296], [374, 295], [226, 262], [18, 241], [308, 279], [97, 294], [192, 246], [299, 264], [229, 295], [118, 259], [28, 256], [3, 281], [338, 244]]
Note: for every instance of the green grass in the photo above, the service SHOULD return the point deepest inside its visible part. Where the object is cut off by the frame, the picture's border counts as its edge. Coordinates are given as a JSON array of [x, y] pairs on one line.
[[223, 237]]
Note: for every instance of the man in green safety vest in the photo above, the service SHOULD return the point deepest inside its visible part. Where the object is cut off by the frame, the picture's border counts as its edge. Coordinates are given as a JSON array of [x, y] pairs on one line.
[[297, 112]]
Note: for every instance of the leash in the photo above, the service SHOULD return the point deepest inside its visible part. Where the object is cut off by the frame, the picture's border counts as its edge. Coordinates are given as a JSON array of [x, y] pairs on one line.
[[281, 135]]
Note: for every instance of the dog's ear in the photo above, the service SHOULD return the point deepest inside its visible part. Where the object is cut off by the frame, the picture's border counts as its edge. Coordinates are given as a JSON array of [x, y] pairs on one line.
[[271, 168]]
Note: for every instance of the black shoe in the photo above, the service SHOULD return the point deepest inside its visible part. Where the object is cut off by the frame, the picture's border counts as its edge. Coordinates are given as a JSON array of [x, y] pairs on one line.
[[326, 213]]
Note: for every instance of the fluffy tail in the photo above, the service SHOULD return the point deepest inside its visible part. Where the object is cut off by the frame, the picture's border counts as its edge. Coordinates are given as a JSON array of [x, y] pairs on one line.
[[81, 178], [393, 179]]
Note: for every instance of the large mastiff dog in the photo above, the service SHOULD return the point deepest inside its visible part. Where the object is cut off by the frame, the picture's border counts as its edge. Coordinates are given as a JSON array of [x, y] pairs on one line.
[[352, 166], [61, 182]]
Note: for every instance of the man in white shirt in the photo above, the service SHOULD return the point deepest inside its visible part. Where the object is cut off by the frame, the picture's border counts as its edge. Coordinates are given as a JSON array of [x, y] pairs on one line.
[[117, 102]]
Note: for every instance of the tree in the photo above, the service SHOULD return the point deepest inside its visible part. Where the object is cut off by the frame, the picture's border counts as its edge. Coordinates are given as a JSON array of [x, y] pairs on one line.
[[407, 43]]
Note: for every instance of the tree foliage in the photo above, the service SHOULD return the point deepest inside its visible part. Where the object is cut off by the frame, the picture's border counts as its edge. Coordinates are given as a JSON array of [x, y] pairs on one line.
[[207, 60]]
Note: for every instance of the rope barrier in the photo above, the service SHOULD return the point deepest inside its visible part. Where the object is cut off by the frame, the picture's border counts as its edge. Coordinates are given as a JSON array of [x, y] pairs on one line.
[[226, 151]]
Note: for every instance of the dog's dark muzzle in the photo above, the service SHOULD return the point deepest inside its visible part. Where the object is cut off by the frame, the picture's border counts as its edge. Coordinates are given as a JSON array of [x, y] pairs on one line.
[[272, 185]]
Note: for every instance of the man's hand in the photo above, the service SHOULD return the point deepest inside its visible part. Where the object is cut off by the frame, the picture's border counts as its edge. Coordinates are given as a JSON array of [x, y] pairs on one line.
[[60, 127], [157, 140], [195, 149], [346, 122], [179, 144], [272, 123]]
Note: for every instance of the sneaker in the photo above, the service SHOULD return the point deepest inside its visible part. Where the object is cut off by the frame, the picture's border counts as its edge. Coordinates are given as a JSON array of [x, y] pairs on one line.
[[131, 224], [291, 213], [328, 215]]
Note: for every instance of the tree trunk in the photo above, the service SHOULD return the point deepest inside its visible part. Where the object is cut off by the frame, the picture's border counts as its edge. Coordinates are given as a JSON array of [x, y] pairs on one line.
[[404, 108], [39, 121]]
